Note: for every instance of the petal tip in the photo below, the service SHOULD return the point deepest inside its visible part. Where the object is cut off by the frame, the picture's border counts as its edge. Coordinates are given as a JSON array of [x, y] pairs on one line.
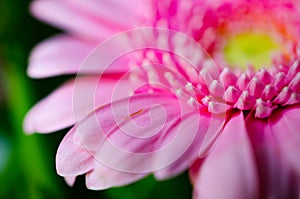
[[70, 180], [28, 125], [95, 184], [34, 71]]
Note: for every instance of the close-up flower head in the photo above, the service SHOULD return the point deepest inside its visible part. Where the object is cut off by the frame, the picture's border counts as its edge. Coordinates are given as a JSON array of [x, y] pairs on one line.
[[158, 90]]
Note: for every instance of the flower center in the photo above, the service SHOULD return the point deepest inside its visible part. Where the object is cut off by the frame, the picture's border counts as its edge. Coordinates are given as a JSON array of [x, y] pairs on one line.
[[252, 48]]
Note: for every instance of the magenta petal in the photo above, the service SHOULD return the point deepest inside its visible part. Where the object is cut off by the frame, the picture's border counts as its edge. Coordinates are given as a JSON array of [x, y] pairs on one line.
[[277, 179], [229, 170], [194, 170], [286, 129], [58, 55], [72, 160], [103, 177]]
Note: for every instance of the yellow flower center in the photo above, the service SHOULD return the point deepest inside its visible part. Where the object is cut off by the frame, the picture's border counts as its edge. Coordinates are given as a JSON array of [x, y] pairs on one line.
[[252, 48]]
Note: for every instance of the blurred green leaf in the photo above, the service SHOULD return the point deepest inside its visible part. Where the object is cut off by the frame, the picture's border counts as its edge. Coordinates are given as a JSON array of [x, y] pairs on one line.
[[31, 161], [6, 166], [178, 187], [4, 152]]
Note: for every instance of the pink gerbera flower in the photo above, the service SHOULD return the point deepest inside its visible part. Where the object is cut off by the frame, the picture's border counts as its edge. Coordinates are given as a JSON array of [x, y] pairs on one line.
[[222, 98]]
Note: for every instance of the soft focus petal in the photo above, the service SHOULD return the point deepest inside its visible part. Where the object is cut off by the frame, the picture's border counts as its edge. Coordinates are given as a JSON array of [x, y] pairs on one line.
[[277, 179], [70, 180], [202, 123], [229, 170], [93, 20], [62, 15], [58, 55], [132, 11], [103, 177], [72, 160], [65, 55], [123, 113], [129, 129], [187, 126], [56, 111], [52, 113], [194, 170], [286, 128]]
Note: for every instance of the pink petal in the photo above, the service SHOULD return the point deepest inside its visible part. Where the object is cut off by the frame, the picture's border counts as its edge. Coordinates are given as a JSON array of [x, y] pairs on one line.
[[67, 55], [57, 111], [216, 124], [229, 170], [92, 20], [101, 11], [199, 122], [285, 126], [71, 160], [129, 129], [120, 113], [194, 170], [70, 180], [58, 55], [52, 113], [277, 180], [103, 177], [61, 14]]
